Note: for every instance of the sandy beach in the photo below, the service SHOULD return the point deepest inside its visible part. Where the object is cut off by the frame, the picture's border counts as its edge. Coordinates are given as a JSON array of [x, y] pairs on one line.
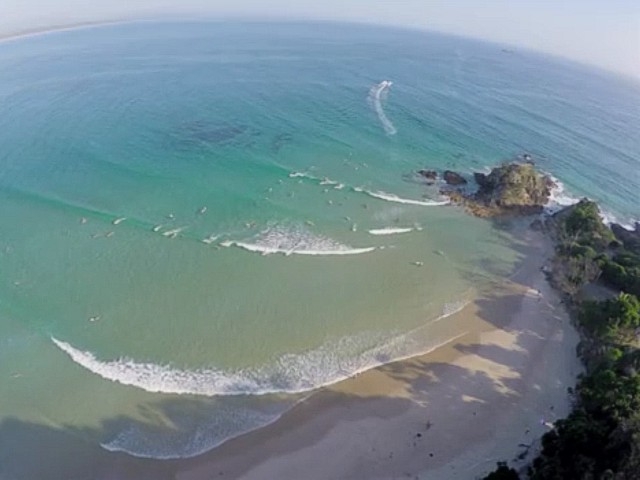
[[452, 413]]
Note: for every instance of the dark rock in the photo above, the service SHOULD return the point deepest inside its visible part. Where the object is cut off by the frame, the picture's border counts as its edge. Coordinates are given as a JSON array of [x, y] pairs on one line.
[[511, 189], [629, 238], [428, 174], [453, 178], [480, 178]]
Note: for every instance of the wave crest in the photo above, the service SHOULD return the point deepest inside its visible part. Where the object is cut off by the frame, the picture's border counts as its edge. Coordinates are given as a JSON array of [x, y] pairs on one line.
[[295, 240], [390, 197], [290, 373], [389, 231]]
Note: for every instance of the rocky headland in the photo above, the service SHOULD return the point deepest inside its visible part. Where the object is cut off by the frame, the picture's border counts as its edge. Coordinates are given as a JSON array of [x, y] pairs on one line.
[[596, 268]]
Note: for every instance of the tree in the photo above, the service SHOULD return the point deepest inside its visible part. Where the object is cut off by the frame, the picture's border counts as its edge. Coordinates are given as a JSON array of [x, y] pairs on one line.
[[503, 472]]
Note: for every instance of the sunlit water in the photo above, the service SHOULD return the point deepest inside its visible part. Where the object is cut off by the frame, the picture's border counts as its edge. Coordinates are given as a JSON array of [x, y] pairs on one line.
[[223, 217]]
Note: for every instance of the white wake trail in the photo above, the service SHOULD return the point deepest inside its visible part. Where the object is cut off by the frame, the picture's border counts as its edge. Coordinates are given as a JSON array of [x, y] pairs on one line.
[[376, 95]]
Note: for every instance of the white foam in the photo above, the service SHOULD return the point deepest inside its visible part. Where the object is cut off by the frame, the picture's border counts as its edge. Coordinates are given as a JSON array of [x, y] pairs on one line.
[[194, 435], [452, 308], [610, 218], [289, 240], [302, 175], [328, 181], [173, 233], [376, 95], [290, 373], [389, 231], [210, 239], [390, 197], [560, 199]]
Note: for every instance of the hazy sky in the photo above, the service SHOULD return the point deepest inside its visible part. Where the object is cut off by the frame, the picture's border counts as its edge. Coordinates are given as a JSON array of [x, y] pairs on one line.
[[600, 32]]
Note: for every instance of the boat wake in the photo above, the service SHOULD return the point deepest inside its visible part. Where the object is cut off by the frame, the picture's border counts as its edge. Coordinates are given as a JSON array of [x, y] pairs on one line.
[[289, 240], [377, 94]]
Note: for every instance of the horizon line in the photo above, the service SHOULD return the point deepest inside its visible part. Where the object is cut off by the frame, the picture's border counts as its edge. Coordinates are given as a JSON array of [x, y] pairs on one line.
[[190, 17]]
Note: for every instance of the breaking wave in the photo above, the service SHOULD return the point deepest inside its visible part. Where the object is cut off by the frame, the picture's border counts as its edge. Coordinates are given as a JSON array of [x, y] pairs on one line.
[[390, 197], [290, 373], [380, 195], [560, 199], [289, 240], [192, 434], [389, 231], [376, 95]]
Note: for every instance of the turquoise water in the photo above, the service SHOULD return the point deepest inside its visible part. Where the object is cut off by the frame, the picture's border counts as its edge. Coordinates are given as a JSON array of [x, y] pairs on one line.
[[193, 212]]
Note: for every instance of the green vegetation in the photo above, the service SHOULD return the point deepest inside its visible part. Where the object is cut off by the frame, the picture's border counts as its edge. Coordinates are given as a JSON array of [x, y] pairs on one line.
[[582, 226], [503, 472], [588, 250], [623, 272], [614, 320], [600, 439]]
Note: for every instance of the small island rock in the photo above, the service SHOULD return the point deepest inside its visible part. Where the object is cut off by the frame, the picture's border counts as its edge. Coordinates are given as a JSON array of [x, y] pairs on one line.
[[510, 189]]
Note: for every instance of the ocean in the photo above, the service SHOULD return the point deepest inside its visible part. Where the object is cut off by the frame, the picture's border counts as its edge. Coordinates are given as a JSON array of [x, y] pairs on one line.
[[201, 223]]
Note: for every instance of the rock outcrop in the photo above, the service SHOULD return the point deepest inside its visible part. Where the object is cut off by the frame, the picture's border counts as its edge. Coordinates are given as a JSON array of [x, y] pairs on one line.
[[510, 189], [430, 175], [629, 238], [453, 178]]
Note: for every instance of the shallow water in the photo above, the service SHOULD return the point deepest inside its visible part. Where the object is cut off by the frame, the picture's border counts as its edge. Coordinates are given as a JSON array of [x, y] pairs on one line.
[[226, 213]]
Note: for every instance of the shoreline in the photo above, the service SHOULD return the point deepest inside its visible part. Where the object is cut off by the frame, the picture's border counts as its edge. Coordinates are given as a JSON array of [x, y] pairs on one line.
[[483, 397], [41, 31], [454, 412]]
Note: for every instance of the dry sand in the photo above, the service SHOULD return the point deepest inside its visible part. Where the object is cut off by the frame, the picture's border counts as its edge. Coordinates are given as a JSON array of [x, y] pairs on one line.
[[452, 413]]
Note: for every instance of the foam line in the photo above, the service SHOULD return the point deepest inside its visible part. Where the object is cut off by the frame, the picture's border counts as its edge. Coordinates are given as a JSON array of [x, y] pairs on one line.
[[290, 373], [296, 239], [390, 197], [389, 231]]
